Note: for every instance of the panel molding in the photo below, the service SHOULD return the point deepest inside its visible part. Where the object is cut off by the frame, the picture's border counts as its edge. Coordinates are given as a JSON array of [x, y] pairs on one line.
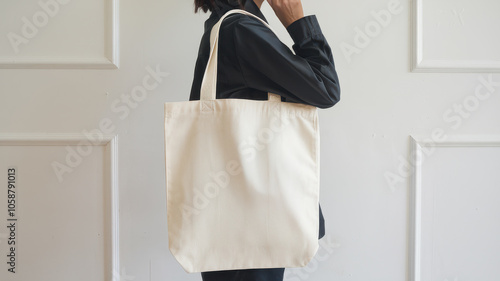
[[417, 143], [110, 143], [420, 64], [110, 59]]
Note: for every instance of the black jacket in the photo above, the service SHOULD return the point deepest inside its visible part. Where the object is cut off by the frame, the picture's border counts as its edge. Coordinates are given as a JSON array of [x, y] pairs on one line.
[[252, 61]]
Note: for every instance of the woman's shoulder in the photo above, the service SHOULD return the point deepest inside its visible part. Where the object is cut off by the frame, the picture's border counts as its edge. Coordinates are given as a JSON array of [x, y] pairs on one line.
[[241, 22], [245, 29]]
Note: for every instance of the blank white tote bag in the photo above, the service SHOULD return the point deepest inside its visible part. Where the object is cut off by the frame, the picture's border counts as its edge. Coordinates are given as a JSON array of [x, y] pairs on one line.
[[242, 179]]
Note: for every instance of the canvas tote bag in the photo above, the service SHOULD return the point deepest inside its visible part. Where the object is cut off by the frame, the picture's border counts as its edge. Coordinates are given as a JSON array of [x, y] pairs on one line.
[[242, 179]]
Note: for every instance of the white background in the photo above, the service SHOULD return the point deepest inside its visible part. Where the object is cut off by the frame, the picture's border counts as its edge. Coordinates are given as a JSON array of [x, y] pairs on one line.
[[65, 80]]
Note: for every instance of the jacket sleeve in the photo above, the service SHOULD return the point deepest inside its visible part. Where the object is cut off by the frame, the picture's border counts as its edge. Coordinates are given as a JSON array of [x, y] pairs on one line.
[[267, 64]]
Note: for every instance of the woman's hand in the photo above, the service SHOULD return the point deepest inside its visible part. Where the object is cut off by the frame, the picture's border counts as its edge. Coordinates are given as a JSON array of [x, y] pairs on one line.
[[287, 11]]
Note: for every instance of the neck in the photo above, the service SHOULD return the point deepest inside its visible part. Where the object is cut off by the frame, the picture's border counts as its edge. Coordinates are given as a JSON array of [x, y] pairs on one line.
[[258, 2]]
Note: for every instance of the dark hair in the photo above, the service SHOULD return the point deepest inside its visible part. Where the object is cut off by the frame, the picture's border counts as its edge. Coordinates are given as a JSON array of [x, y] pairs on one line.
[[210, 5]]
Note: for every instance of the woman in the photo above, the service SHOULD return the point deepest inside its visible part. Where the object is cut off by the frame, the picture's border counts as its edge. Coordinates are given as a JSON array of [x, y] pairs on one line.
[[253, 61]]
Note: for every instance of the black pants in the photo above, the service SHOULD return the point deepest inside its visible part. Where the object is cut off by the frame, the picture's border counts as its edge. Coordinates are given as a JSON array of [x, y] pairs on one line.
[[257, 274]]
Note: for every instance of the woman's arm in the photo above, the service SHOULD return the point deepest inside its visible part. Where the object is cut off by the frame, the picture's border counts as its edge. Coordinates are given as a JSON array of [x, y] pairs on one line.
[[267, 64], [287, 11]]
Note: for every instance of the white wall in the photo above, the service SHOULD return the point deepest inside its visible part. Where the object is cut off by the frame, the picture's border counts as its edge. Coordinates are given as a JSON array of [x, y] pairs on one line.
[[393, 88]]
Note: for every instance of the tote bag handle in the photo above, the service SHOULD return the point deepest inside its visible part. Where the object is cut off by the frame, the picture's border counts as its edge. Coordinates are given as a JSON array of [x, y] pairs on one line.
[[209, 82]]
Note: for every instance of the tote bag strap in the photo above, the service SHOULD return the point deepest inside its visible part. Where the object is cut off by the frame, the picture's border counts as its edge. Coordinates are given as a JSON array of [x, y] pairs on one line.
[[209, 82]]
